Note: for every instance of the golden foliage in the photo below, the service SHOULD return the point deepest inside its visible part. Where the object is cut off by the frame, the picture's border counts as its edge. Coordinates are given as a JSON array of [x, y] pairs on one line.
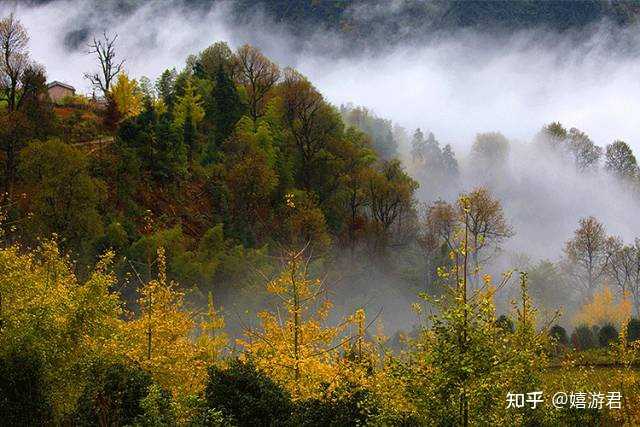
[[292, 345], [603, 309], [127, 96], [159, 339], [46, 310]]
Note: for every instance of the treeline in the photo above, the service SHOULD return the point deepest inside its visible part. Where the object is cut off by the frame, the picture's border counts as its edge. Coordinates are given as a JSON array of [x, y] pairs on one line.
[[220, 162]]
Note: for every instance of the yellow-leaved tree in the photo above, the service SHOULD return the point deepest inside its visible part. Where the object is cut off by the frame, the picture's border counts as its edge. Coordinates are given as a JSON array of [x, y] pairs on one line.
[[292, 344], [47, 312], [603, 308], [212, 339], [159, 339], [126, 94]]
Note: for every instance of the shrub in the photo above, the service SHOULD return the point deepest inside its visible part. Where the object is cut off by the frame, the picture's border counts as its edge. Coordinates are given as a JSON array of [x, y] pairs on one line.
[[607, 334], [505, 323], [114, 395], [633, 329], [558, 333], [246, 396], [582, 338], [23, 398], [348, 406]]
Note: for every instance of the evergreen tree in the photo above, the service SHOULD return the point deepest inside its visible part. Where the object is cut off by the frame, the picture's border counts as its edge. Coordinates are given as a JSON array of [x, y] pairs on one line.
[[224, 107]]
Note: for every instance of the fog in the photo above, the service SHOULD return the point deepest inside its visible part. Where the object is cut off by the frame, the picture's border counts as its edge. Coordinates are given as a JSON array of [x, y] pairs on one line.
[[454, 84]]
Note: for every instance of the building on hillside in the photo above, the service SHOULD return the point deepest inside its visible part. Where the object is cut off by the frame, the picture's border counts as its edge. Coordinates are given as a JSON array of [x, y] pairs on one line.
[[58, 91]]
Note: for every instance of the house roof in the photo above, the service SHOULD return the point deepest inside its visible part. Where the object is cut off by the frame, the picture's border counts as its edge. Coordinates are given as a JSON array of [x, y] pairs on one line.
[[57, 83]]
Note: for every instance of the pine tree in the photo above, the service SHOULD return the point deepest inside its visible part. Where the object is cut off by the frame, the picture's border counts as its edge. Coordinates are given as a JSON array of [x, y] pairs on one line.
[[224, 107], [188, 112]]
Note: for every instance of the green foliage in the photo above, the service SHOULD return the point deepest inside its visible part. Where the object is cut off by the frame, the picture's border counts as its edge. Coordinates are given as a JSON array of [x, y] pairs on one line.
[[379, 130], [23, 390], [582, 338], [223, 108], [246, 396], [633, 329], [607, 334], [64, 198], [157, 410], [113, 395], [558, 333], [505, 323], [348, 406]]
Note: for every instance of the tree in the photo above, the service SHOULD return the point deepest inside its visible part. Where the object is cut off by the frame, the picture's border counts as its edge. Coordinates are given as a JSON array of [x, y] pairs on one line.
[[224, 107], [586, 255], [466, 361], [620, 161], [607, 334], [436, 238], [105, 51], [34, 102], [165, 86], [602, 308], [449, 162], [582, 338], [15, 58], [65, 199], [490, 149], [390, 195], [247, 396], [558, 333], [159, 339], [76, 320], [213, 57], [548, 286], [112, 395], [311, 123], [586, 154], [418, 149], [24, 398], [380, 130], [212, 338], [258, 75], [292, 345], [127, 96], [358, 159], [488, 227], [188, 112]]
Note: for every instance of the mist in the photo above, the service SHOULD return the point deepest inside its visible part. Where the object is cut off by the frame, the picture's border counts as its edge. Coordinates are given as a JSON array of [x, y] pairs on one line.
[[454, 84]]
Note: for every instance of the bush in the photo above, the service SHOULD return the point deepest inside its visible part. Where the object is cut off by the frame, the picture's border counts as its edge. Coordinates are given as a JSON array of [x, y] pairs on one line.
[[114, 395], [558, 333], [23, 398], [505, 323], [582, 338], [350, 406], [633, 329], [246, 396], [607, 334]]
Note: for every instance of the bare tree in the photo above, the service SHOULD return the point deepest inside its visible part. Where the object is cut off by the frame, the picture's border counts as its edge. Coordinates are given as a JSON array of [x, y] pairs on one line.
[[258, 74], [105, 50], [623, 268], [437, 230], [15, 58]]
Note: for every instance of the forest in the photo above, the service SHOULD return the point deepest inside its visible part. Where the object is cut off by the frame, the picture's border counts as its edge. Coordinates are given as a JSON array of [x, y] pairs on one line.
[[221, 245]]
